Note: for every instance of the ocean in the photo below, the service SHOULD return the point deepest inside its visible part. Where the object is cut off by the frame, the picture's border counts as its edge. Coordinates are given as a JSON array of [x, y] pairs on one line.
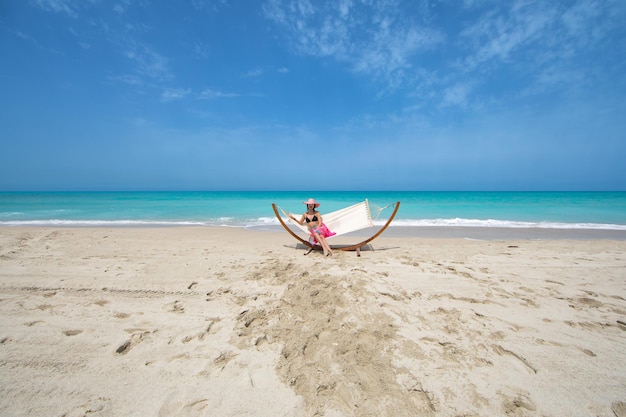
[[544, 210]]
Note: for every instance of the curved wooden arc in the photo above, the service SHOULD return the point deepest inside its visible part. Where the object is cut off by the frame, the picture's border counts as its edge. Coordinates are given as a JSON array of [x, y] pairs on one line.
[[346, 248]]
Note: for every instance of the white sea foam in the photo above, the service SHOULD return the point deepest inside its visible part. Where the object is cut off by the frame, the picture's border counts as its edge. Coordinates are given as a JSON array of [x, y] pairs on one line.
[[99, 223], [457, 222], [500, 223], [11, 213], [272, 221]]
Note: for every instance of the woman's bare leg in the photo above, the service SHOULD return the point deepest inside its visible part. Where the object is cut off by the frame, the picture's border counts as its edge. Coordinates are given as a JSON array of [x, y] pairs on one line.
[[325, 246]]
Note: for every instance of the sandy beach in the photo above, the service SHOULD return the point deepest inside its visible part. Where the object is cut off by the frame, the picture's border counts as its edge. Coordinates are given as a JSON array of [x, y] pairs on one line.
[[208, 321]]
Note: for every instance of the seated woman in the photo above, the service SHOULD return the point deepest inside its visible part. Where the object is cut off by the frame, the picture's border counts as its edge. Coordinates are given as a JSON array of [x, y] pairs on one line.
[[318, 230]]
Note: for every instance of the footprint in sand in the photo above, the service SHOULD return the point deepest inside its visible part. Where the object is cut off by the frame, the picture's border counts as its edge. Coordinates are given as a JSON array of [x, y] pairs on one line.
[[134, 340], [175, 307], [174, 405], [589, 302]]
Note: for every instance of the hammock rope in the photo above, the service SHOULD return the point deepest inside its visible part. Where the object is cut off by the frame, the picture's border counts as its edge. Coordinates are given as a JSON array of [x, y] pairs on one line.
[[379, 210]]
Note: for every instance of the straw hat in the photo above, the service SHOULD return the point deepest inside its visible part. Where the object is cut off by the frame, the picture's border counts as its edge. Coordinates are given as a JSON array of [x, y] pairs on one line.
[[312, 201]]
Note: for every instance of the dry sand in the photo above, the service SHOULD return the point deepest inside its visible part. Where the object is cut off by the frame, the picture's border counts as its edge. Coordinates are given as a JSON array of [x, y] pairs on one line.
[[207, 321]]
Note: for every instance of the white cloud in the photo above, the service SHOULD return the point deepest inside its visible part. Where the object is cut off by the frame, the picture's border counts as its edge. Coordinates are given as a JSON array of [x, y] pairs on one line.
[[201, 50], [257, 72], [148, 62], [376, 38], [212, 94], [432, 49], [58, 6], [213, 5], [499, 34], [127, 79], [456, 95], [174, 94]]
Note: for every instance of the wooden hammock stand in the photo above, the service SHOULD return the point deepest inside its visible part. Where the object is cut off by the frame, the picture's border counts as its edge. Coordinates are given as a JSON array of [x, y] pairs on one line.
[[355, 247]]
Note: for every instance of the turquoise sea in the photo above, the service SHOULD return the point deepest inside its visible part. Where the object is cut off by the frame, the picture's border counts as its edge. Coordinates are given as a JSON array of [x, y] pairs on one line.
[[551, 210]]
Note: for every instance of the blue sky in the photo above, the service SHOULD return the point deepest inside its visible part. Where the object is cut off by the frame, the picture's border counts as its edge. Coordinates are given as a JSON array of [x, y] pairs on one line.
[[312, 95]]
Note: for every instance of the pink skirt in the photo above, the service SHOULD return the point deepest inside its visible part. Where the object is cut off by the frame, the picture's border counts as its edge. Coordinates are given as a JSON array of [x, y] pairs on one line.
[[321, 230]]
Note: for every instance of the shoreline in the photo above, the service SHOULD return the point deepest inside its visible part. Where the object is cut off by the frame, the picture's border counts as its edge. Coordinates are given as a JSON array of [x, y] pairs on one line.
[[424, 232], [482, 233]]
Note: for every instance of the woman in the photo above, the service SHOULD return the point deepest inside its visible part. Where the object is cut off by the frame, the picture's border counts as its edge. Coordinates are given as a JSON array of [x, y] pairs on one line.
[[318, 230]]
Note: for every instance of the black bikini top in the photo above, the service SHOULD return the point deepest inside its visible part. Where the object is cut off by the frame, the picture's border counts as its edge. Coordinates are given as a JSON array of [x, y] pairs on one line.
[[314, 219]]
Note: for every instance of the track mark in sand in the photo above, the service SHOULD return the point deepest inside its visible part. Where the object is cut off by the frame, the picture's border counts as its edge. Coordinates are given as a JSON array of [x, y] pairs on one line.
[[196, 406], [588, 352], [192, 285], [134, 340], [91, 407], [619, 408], [73, 332], [222, 360], [128, 291], [175, 307], [201, 335], [395, 296], [502, 352], [590, 302], [519, 405], [337, 354], [176, 404]]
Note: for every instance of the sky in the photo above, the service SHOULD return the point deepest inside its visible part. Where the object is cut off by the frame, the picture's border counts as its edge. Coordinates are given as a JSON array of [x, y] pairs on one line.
[[312, 95]]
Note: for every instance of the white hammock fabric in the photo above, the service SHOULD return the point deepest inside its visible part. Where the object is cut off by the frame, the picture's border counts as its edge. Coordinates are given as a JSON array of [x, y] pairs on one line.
[[342, 221]]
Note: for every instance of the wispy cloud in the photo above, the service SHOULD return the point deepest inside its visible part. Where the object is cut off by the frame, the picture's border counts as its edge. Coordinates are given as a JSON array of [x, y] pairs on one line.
[[174, 94], [147, 61], [373, 38], [456, 95], [200, 49], [398, 44], [133, 80], [118, 8], [66, 7], [212, 94], [213, 5], [254, 73], [541, 43]]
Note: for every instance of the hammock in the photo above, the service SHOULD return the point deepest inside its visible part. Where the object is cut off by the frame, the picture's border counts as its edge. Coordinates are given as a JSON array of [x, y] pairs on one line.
[[346, 220]]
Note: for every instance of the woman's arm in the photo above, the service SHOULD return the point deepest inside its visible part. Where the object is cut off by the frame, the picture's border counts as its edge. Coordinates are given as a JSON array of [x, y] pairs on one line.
[[300, 222]]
